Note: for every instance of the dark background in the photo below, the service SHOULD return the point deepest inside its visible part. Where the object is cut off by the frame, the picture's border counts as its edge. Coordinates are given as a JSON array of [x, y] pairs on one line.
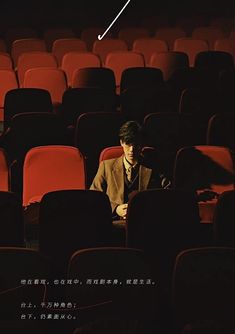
[[103, 11]]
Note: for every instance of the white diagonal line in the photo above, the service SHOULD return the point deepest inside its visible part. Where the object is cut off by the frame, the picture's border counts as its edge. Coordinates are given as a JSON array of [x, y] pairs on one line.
[[102, 36]]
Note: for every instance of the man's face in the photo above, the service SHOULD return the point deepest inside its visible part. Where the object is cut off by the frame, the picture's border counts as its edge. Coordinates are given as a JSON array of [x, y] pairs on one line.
[[131, 151]]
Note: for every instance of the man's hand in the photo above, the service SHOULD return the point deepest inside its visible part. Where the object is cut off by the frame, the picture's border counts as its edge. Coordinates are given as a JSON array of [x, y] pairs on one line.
[[121, 210]]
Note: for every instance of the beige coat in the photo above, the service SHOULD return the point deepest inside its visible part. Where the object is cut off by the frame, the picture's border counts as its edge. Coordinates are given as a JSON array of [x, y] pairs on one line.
[[110, 179]]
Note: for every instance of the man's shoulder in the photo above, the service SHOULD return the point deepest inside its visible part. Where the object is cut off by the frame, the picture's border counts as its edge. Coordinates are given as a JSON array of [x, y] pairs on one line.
[[112, 162]]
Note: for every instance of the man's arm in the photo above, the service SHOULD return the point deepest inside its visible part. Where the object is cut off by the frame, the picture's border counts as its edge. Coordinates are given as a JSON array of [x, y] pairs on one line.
[[100, 182]]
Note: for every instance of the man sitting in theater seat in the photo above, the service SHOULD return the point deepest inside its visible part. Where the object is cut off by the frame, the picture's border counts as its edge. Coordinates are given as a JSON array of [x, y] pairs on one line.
[[119, 178]]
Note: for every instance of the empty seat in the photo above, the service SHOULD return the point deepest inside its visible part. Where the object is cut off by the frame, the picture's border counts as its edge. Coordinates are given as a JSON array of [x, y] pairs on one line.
[[136, 103], [220, 131], [191, 78], [95, 77], [167, 132], [20, 46], [9, 305], [8, 82], [162, 221], [169, 35], [129, 35], [105, 46], [191, 47], [201, 104], [50, 168], [51, 34], [226, 81], [119, 266], [20, 265], [34, 59], [77, 101], [200, 101], [168, 62], [189, 22], [226, 45], [148, 46], [203, 285], [141, 77], [73, 61], [119, 61], [217, 60], [111, 153], [223, 222], [18, 32], [27, 130], [226, 89], [12, 226], [21, 100], [64, 45], [150, 226], [210, 34], [5, 61], [73, 220], [51, 79]]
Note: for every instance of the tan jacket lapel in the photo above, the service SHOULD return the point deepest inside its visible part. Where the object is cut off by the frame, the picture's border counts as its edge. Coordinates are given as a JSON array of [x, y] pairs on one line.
[[118, 176], [145, 174]]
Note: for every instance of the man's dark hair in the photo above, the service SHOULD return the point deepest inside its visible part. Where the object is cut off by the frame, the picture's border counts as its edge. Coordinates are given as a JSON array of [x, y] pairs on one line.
[[131, 133]]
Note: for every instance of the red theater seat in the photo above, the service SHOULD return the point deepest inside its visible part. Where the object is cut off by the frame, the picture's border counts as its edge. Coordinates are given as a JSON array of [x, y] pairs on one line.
[[64, 45], [169, 35], [26, 45], [105, 46], [111, 153], [73, 61], [129, 35], [51, 79], [168, 62], [148, 46], [50, 168], [118, 61], [34, 59], [191, 47]]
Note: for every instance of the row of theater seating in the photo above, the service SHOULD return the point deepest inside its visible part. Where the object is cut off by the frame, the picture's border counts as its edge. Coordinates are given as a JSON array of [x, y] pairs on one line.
[[128, 34], [39, 70], [145, 46], [91, 132], [197, 169], [188, 280], [141, 44], [185, 93], [140, 87], [116, 61]]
